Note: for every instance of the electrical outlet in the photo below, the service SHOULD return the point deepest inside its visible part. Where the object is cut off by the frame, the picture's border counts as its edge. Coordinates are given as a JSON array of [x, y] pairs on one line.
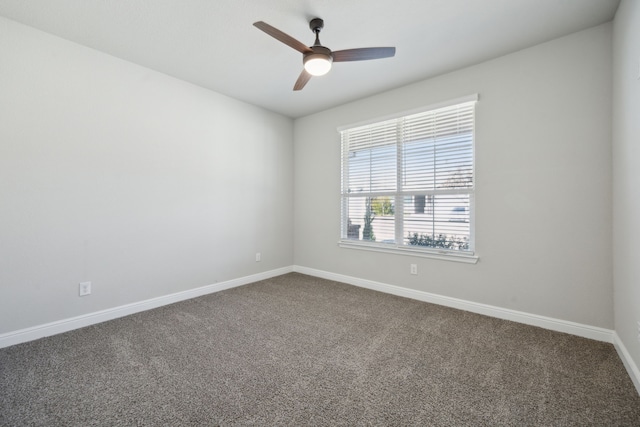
[[414, 268], [258, 257], [84, 288]]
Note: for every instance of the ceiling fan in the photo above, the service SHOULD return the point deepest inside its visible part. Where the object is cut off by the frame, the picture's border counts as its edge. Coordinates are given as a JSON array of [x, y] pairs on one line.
[[317, 59]]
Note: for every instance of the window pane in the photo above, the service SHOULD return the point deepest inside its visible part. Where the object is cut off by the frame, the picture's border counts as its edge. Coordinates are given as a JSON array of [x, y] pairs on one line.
[[372, 170], [437, 221], [438, 163], [371, 219]]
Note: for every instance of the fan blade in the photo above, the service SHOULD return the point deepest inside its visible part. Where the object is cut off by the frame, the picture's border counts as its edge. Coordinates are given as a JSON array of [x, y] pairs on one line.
[[302, 80], [284, 38], [363, 54]]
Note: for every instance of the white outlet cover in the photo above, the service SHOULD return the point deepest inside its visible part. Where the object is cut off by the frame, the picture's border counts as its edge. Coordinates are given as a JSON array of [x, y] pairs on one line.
[[84, 288]]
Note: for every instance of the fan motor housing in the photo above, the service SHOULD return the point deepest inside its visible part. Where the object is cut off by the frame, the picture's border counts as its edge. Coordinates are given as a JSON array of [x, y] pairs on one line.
[[318, 52]]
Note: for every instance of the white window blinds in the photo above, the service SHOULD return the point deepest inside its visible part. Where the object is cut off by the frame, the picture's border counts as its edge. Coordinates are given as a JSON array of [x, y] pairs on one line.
[[408, 181]]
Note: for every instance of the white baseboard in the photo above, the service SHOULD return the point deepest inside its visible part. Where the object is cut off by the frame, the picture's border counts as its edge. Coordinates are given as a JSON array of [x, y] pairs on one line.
[[628, 362], [65, 325], [585, 331]]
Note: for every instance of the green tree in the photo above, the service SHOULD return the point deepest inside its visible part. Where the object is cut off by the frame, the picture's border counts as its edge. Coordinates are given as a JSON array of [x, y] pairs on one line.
[[382, 206], [369, 216], [461, 178]]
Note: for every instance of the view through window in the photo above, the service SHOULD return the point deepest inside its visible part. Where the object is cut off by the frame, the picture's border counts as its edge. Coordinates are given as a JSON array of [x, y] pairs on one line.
[[408, 182]]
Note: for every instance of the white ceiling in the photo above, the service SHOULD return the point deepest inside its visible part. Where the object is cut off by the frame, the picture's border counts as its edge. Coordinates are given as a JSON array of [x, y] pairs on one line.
[[213, 44]]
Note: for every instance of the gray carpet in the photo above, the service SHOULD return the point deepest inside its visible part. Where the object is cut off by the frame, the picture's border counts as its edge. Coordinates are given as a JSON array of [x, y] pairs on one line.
[[297, 350]]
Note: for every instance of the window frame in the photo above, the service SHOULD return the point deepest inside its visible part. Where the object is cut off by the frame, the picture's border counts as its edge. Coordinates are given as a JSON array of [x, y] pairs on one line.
[[398, 247]]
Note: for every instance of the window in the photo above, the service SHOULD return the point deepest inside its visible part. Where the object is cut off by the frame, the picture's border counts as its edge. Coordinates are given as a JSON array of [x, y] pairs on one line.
[[408, 183]]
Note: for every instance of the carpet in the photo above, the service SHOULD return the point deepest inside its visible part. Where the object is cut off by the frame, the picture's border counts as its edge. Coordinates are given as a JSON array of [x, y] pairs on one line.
[[298, 350]]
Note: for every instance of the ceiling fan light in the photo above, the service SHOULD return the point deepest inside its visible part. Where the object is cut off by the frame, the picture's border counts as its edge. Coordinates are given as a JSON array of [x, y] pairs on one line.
[[317, 64]]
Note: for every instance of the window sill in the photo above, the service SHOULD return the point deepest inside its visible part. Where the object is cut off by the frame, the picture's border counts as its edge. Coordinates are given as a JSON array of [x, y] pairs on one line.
[[424, 253]]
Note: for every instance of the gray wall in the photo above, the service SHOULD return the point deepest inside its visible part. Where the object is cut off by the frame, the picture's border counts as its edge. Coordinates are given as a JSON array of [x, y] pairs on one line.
[[543, 197], [626, 176], [141, 183], [146, 185]]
